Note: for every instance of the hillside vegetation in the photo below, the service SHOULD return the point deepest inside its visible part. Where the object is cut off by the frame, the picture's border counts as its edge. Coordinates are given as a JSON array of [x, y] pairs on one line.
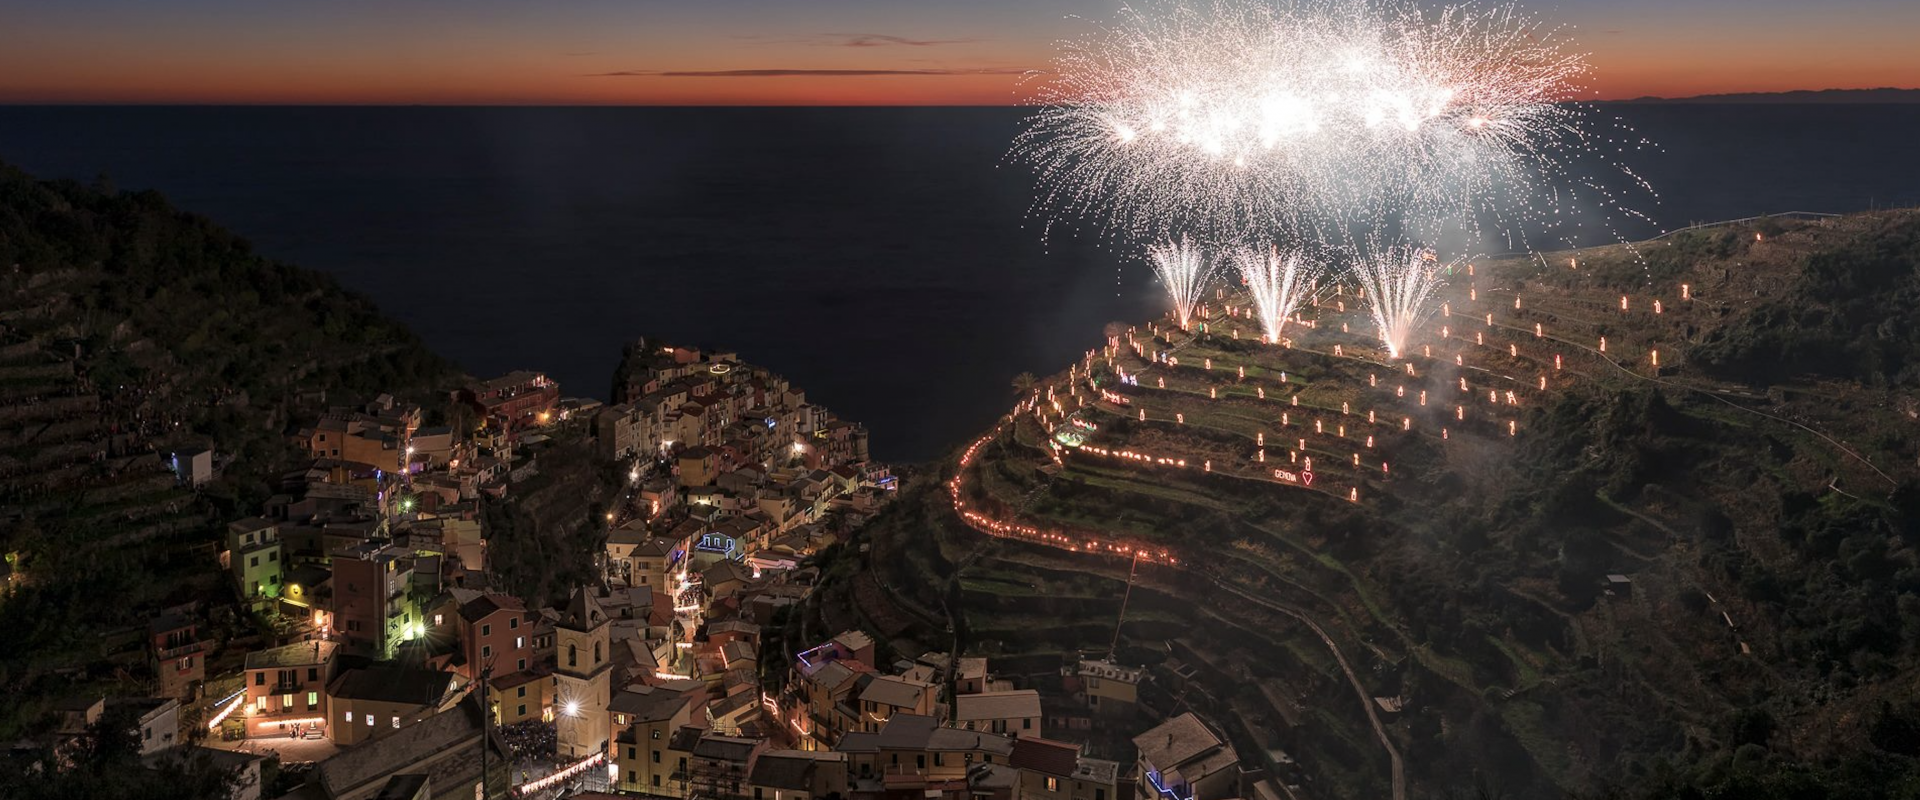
[[130, 329]]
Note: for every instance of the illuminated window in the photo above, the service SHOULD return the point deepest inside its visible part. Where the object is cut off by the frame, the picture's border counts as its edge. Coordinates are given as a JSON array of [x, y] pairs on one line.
[[286, 701], [369, 720], [519, 641], [313, 700], [1053, 784], [396, 722], [349, 717], [437, 621]]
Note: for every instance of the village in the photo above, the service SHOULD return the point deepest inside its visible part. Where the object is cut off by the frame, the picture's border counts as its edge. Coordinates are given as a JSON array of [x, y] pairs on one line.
[[390, 662]]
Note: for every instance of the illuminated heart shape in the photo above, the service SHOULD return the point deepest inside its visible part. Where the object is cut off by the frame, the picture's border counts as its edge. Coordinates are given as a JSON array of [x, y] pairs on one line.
[[1306, 479]]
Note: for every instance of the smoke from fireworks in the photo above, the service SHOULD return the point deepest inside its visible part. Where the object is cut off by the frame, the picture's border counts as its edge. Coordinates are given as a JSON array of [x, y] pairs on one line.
[[1279, 284], [1399, 283], [1183, 270], [1243, 120]]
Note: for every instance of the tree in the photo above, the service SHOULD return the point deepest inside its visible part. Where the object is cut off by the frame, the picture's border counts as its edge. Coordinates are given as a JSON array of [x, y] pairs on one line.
[[105, 763]]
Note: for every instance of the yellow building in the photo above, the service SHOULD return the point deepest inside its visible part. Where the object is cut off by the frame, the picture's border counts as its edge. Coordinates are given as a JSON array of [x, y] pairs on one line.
[[643, 725], [520, 696], [1111, 689]]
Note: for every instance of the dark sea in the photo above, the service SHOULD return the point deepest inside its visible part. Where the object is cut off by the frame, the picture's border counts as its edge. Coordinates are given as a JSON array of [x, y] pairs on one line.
[[880, 258]]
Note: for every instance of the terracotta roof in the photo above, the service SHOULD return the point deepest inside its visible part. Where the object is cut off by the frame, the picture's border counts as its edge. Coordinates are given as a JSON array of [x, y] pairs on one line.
[[1045, 755]]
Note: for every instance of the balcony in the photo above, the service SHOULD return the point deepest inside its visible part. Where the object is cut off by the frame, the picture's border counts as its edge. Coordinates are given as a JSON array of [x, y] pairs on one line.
[[188, 649]]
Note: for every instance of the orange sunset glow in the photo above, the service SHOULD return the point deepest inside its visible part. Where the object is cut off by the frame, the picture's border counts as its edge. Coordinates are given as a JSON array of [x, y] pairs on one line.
[[836, 53]]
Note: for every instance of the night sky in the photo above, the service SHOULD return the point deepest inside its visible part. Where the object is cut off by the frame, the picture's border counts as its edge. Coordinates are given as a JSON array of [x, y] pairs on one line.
[[825, 52]]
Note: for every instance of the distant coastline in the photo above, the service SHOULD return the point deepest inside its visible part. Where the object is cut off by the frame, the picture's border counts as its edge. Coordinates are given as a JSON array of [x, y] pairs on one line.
[[1799, 96]]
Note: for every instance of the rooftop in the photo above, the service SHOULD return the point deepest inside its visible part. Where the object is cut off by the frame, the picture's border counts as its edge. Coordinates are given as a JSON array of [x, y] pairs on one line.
[[653, 704], [1046, 756], [422, 687], [1176, 742], [298, 654], [1017, 704], [792, 769], [896, 692]]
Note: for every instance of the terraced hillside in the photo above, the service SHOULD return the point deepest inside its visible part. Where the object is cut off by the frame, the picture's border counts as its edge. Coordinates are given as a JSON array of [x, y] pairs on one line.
[[1636, 517], [130, 330]]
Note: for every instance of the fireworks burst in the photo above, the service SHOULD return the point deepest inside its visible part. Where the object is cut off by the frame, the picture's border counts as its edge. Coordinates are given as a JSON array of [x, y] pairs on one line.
[[1242, 120], [1399, 283], [1183, 270], [1279, 284]]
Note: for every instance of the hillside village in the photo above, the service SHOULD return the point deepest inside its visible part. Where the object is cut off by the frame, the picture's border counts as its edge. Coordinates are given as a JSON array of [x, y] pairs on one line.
[[387, 659]]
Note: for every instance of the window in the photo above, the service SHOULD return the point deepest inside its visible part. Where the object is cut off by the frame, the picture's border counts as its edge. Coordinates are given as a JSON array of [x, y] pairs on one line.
[[260, 679], [523, 709], [656, 780], [630, 753], [486, 630], [486, 651], [573, 655], [369, 719], [286, 701], [186, 663], [656, 756], [513, 623], [633, 777], [939, 759], [1053, 784], [438, 621], [1026, 724], [521, 691], [1099, 794], [656, 735], [313, 700], [396, 722], [349, 717], [253, 561], [523, 665], [920, 761], [596, 654], [273, 555], [757, 794], [313, 673]]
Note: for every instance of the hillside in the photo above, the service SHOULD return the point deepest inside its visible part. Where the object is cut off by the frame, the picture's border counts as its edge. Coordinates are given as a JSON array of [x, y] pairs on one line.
[[1797, 97], [130, 330], [1626, 519]]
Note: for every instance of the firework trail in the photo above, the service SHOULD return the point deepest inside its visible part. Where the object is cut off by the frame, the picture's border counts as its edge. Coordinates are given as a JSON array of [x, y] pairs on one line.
[[1183, 270], [1399, 283], [1279, 284], [1245, 120]]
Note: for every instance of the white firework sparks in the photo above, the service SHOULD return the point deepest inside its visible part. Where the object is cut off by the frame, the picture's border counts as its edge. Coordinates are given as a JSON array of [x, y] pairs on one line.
[[1237, 120], [1183, 270], [1399, 283], [1279, 283]]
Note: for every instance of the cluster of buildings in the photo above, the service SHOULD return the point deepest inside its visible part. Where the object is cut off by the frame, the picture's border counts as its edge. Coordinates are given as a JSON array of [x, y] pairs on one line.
[[394, 664]]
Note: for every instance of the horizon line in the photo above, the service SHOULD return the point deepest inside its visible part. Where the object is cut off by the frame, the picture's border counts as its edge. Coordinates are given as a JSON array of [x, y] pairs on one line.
[[546, 104]]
